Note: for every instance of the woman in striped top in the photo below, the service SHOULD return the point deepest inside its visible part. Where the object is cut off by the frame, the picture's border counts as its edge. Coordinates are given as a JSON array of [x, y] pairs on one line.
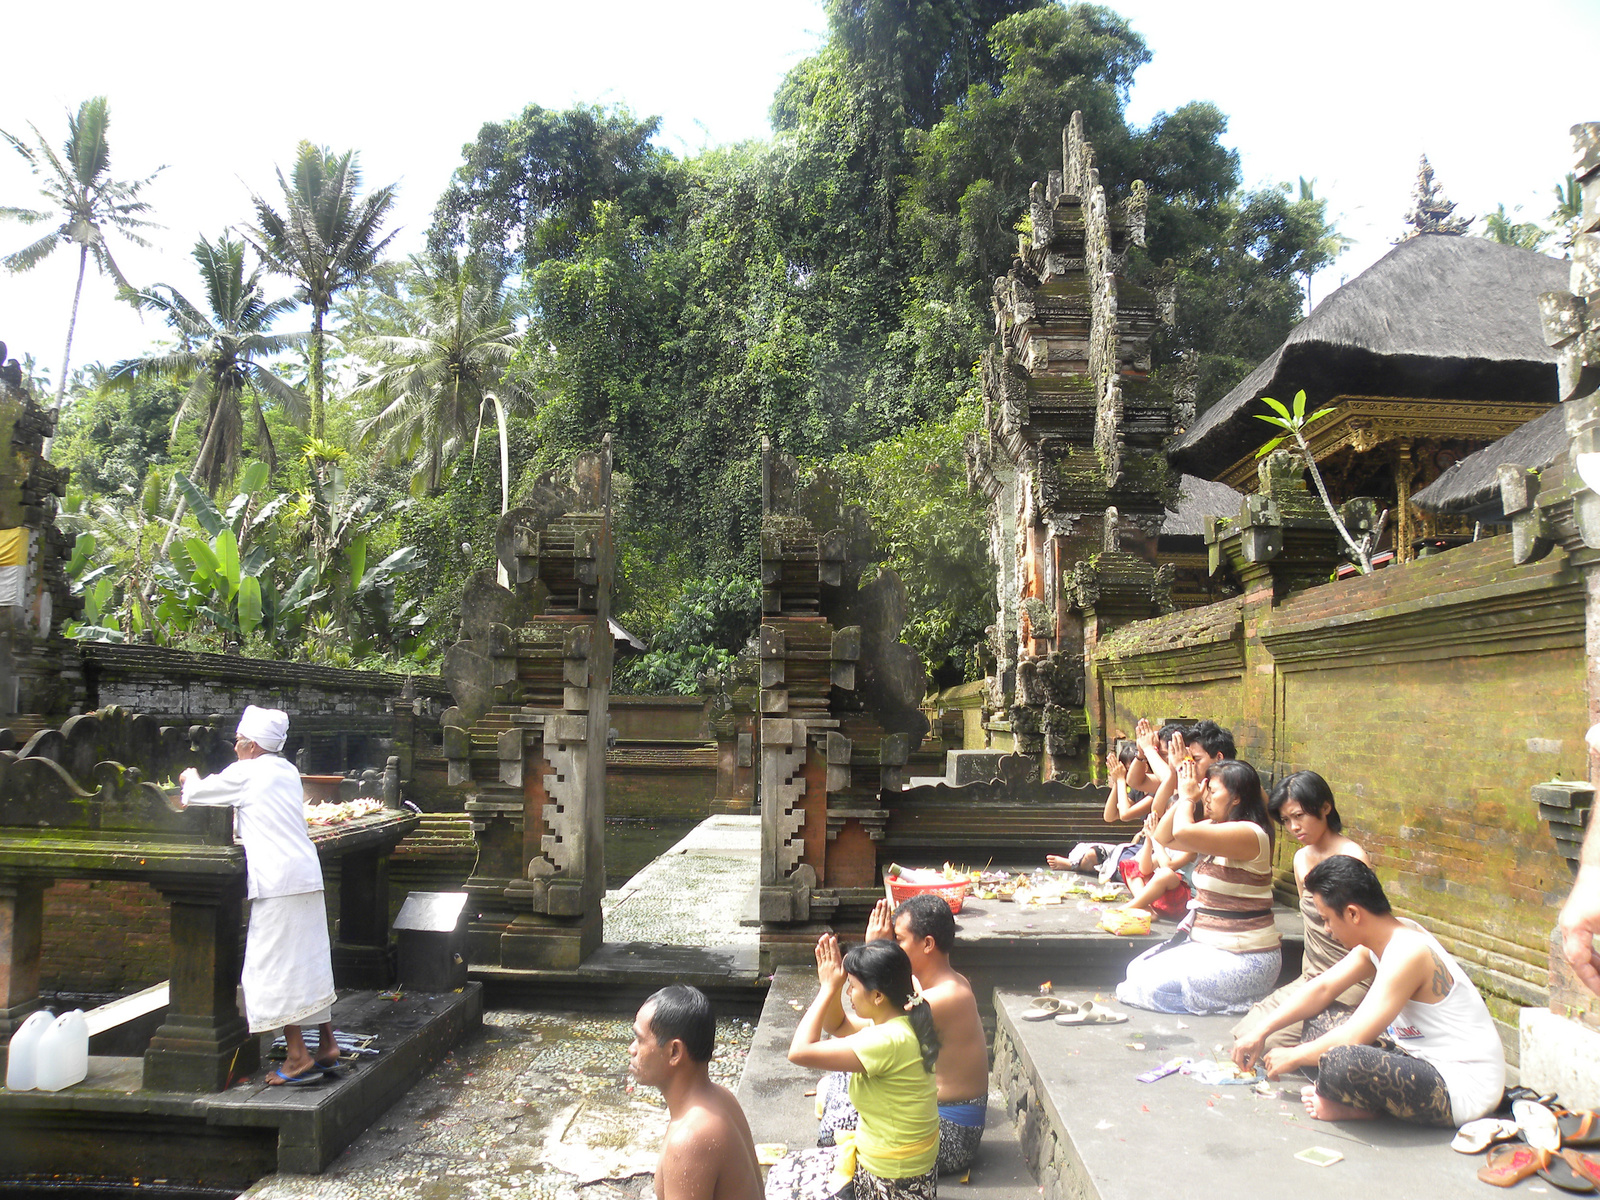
[[1232, 956]]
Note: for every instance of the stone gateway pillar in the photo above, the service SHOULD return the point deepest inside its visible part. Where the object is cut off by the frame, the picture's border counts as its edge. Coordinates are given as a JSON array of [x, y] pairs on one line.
[[526, 739]]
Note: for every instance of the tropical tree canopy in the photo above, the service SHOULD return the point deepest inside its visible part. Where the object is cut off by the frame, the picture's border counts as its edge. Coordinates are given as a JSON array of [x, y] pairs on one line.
[[221, 354], [431, 385], [89, 204]]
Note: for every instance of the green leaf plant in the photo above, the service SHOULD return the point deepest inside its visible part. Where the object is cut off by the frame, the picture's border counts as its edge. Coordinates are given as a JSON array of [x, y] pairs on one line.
[[1294, 423]]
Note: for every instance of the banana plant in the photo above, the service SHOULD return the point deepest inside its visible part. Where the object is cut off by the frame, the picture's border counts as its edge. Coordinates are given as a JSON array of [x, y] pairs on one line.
[[340, 523], [224, 573], [117, 537]]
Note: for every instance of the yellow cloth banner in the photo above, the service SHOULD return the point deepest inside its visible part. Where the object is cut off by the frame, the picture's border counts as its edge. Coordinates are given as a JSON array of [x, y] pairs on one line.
[[13, 547]]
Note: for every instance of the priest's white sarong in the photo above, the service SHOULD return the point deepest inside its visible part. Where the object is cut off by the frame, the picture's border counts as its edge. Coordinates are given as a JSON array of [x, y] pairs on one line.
[[288, 971]]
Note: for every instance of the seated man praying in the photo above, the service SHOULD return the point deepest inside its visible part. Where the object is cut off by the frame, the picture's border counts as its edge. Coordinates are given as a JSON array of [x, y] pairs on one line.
[[925, 929], [1421, 1045], [707, 1153]]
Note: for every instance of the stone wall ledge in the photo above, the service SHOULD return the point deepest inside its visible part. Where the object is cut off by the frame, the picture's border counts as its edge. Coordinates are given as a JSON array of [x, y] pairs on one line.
[[1214, 623], [168, 664], [1507, 616]]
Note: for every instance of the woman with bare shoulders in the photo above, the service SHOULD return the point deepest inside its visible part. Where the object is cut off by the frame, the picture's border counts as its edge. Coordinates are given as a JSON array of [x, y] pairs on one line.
[[1232, 956], [1303, 804]]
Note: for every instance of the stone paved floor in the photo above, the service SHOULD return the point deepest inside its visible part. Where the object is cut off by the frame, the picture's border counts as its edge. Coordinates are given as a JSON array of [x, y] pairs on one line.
[[696, 893], [539, 1104], [536, 1105]]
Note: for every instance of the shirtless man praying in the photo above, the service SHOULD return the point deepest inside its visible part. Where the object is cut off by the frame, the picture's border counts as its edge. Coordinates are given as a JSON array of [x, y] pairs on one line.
[[925, 929]]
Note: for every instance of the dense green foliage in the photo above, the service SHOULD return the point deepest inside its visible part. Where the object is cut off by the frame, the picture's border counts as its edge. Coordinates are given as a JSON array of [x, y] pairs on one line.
[[826, 289]]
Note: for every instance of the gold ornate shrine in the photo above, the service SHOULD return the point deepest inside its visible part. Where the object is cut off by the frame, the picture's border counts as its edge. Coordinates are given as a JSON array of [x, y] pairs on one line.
[[1364, 423]]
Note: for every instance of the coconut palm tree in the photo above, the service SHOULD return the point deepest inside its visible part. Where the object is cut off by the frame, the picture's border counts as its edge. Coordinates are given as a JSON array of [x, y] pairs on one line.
[[221, 355], [87, 201], [433, 386], [324, 239]]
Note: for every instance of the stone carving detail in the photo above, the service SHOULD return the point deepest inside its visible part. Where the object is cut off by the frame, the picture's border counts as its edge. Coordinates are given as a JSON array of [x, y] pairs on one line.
[[1572, 318], [39, 670], [1185, 389], [784, 745], [1430, 210]]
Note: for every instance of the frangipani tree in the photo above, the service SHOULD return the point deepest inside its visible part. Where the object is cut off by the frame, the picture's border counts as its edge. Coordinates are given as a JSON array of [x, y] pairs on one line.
[[1294, 424]]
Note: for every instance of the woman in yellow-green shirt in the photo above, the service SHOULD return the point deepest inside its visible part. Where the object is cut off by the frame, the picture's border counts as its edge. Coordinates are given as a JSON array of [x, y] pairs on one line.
[[890, 1061]]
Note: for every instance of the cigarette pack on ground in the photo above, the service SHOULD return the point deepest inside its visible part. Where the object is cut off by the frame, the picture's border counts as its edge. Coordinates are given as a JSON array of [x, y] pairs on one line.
[[1320, 1156]]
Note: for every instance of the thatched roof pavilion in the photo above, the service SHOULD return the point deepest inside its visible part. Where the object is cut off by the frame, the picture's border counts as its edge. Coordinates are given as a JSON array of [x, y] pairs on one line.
[[1471, 488], [1182, 540], [1428, 355]]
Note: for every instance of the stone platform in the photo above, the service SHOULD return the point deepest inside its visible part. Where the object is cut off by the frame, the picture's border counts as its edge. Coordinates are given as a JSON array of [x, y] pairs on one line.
[[108, 1129], [1093, 1132]]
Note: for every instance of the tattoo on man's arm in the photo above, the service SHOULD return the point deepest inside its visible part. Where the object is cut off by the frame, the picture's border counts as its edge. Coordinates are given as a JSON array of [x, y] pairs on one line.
[[1442, 980]]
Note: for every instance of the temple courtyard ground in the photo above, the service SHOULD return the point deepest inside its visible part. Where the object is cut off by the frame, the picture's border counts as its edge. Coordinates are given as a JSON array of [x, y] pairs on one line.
[[538, 1103]]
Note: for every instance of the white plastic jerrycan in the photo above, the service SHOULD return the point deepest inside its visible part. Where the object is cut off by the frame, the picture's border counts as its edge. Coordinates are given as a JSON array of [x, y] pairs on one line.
[[23, 1054], [63, 1053]]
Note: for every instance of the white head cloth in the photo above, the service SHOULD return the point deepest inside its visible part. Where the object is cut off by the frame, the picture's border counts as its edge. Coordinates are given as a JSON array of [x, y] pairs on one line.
[[1593, 737], [266, 727]]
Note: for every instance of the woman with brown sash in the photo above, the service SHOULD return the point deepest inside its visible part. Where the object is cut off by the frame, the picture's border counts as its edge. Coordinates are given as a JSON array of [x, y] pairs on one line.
[[1231, 955]]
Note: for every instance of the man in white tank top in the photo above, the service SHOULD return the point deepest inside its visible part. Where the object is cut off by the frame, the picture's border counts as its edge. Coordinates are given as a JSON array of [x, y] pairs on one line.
[[1421, 1046]]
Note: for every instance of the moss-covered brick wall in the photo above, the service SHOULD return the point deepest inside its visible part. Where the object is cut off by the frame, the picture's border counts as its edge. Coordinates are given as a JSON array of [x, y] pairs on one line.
[[1432, 696], [103, 936]]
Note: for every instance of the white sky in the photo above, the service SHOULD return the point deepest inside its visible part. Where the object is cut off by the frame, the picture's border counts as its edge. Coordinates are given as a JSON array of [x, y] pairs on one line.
[[1348, 94]]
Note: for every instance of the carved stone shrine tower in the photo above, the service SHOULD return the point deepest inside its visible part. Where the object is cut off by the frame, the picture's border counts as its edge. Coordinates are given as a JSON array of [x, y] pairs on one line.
[[1072, 457], [531, 677], [40, 673]]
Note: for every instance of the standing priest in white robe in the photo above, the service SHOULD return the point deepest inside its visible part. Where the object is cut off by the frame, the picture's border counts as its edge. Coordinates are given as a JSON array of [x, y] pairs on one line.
[[288, 964]]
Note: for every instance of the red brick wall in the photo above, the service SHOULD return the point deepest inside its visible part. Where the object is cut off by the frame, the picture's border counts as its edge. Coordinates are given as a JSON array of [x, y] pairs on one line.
[[103, 936]]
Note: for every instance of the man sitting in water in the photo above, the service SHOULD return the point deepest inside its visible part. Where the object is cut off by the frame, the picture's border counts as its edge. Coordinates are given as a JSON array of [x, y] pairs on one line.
[[1421, 1046], [708, 1153], [925, 929]]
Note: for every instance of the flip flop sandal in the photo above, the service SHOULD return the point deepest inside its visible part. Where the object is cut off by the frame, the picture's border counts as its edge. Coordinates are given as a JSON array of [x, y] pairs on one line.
[[1513, 1094], [1587, 1165], [1092, 1014], [1579, 1128], [1559, 1171], [1511, 1163], [1042, 1008], [310, 1076], [1538, 1125], [1477, 1136]]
